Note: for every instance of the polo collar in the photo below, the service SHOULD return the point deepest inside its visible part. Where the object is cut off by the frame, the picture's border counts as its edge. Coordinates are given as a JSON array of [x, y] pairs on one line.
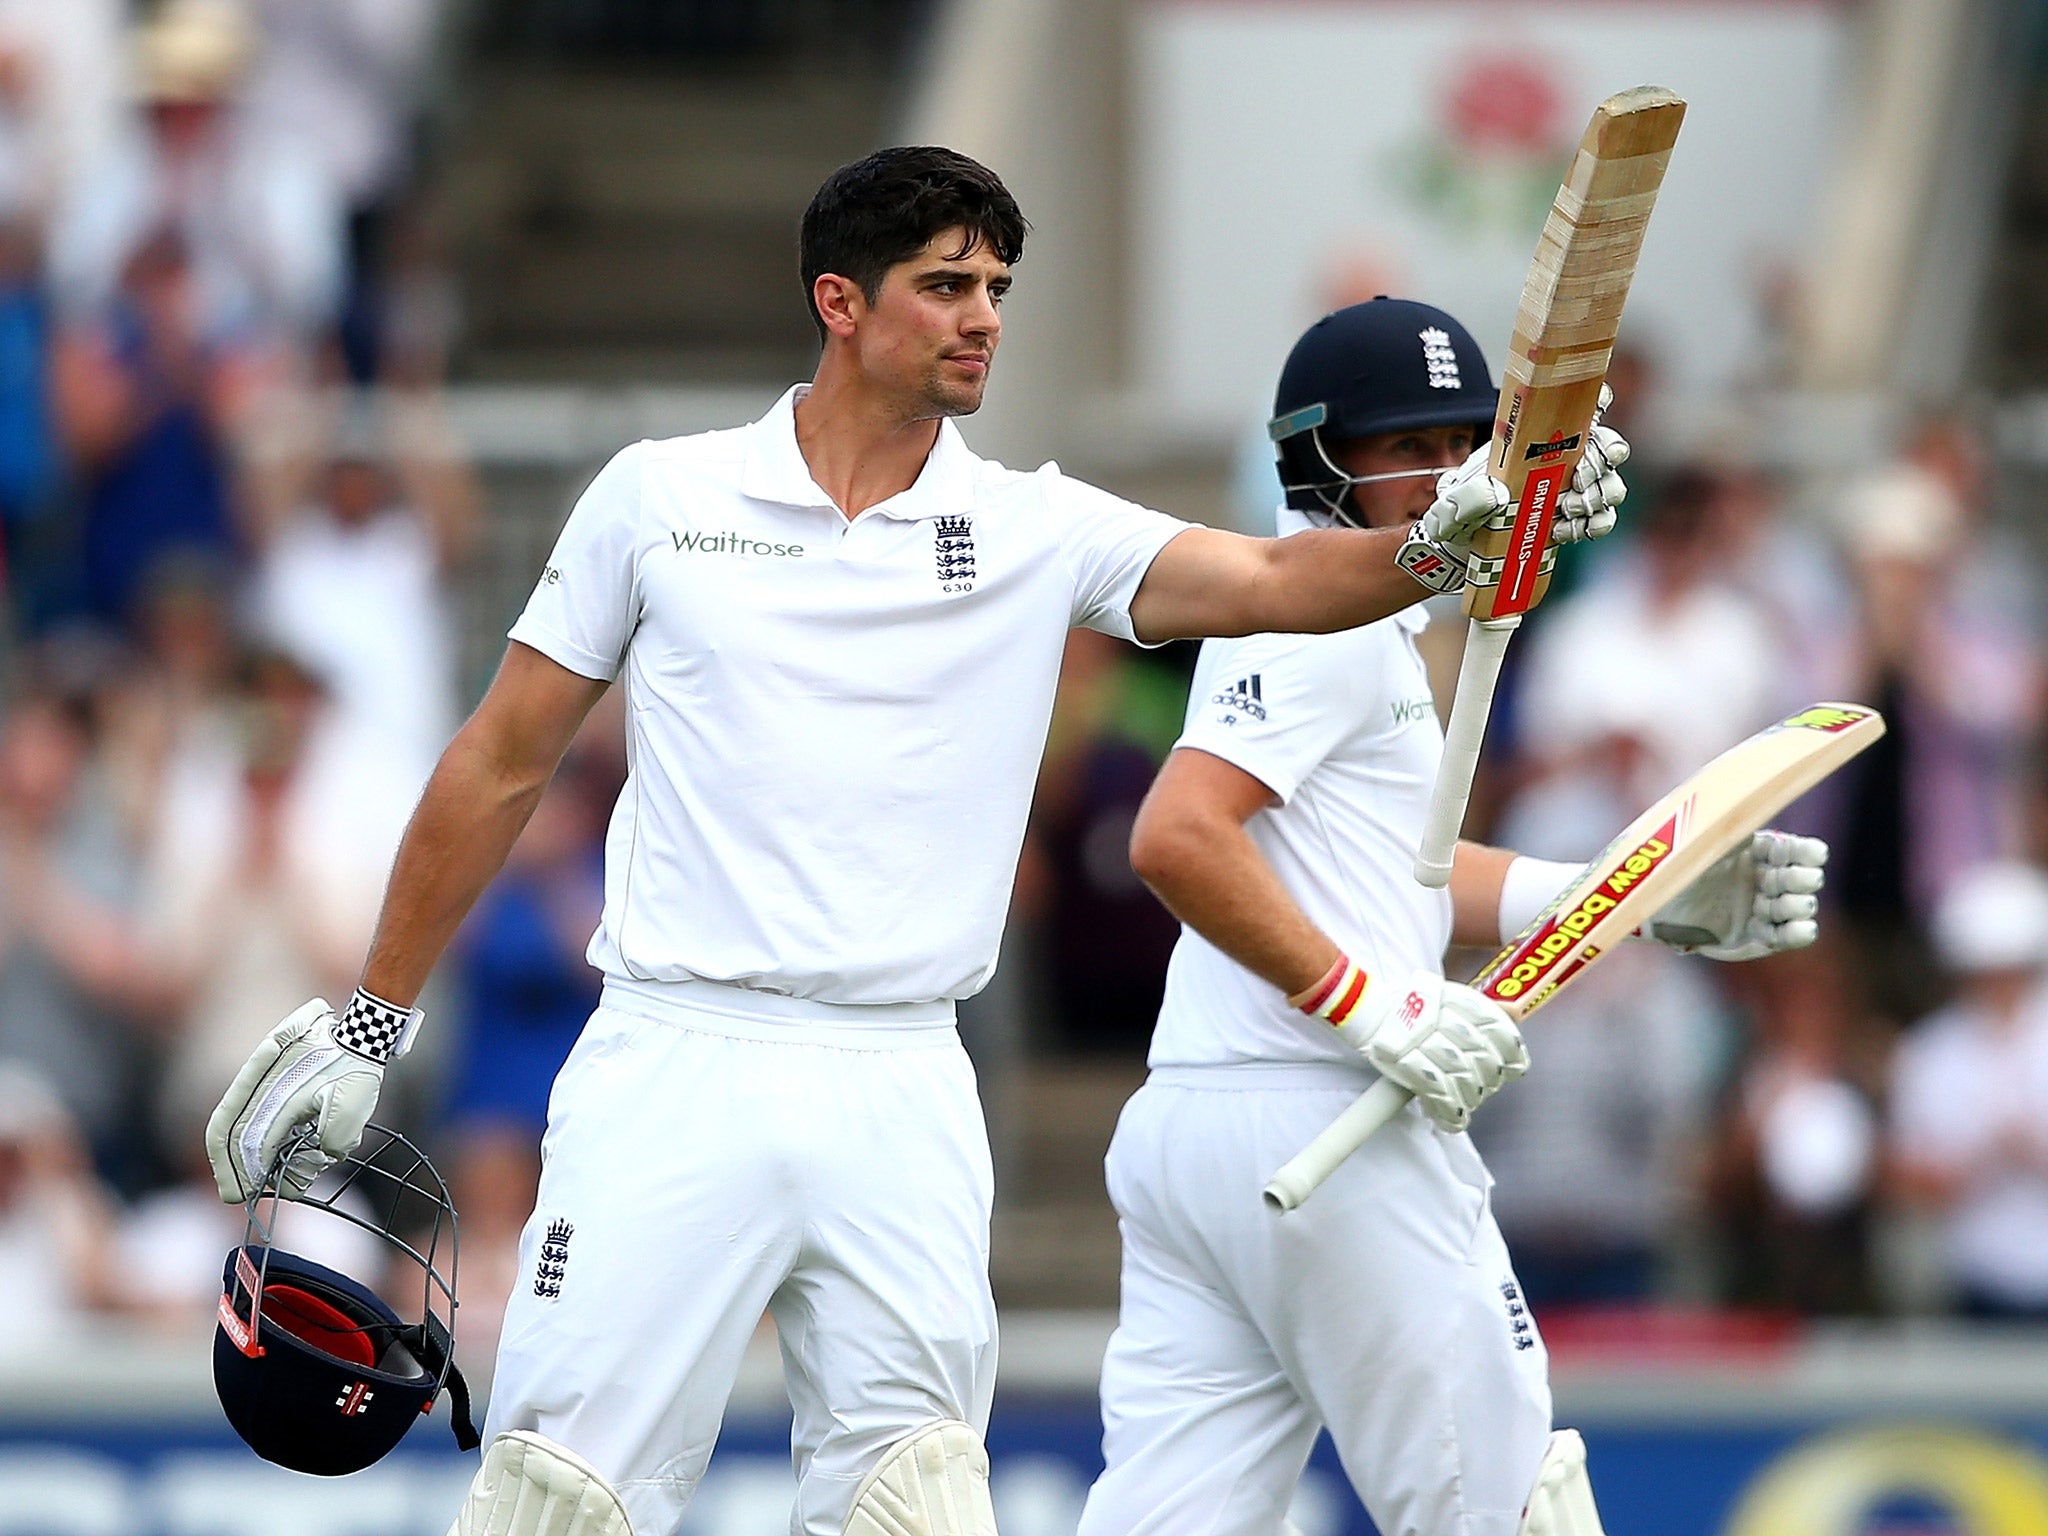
[[775, 470], [1286, 520]]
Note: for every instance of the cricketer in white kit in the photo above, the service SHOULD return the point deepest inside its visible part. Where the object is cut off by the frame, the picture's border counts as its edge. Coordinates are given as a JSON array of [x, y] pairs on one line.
[[1282, 830], [838, 632]]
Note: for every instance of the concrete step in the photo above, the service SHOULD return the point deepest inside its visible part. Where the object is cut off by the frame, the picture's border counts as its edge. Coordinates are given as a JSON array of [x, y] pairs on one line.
[[1066, 1114], [1055, 1240], [1061, 1256], [696, 282], [2017, 289], [621, 223]]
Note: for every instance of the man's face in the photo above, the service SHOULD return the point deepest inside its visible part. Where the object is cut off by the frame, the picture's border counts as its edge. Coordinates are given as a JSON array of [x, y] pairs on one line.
[[931, 331], [1396, 503]]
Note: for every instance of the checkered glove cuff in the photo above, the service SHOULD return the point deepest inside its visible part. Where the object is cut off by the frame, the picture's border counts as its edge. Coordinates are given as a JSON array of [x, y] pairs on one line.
[[1438, 568], [374, 1029]]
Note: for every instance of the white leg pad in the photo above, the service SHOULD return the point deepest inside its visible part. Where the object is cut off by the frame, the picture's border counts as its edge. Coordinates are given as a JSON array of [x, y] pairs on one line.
[[1561, 1504], [530, 1486], [932, 1483]]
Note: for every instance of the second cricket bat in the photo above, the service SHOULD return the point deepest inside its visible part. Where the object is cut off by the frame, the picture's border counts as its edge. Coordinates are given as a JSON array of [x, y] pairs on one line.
[[1656, 856], [1550, 387]]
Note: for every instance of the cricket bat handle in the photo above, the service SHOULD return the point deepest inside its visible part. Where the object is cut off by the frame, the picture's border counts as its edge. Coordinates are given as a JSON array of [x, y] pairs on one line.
[[1306, 1170], [1486, 643]]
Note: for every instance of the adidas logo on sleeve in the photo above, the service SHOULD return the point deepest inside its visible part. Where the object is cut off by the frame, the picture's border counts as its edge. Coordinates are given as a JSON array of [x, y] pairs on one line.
[[1241, 698]]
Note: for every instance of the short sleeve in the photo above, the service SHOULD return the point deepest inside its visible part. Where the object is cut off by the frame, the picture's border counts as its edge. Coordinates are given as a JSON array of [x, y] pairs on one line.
[[587, 602], [1109, 544], [1275, 705]]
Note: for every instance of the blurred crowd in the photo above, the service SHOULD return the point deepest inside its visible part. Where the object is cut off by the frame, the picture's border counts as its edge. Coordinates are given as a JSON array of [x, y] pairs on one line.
[[233, 519], [233, 529], [1856, 1128]]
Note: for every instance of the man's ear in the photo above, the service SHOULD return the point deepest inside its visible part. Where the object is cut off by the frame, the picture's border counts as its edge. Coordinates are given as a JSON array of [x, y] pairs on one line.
[[840, 303]]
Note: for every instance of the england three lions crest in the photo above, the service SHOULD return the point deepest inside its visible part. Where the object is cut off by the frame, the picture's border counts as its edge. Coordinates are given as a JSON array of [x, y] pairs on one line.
[[953, 553]]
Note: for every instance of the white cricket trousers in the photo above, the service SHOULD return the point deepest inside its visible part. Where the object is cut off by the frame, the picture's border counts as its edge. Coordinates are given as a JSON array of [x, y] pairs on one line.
[[1383, 1308], [711, 1154]]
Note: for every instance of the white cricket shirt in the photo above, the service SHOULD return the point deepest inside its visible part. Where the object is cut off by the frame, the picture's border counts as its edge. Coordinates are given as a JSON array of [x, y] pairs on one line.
[[1343, 729], [833, 727]]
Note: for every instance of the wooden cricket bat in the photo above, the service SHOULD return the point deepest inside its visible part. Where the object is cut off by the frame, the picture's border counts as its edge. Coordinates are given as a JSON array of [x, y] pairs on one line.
[[1557, 359], [1656, 856]]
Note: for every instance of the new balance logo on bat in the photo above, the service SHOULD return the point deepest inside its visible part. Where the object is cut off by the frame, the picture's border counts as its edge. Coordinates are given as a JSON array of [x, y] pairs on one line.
[[1240, 698]]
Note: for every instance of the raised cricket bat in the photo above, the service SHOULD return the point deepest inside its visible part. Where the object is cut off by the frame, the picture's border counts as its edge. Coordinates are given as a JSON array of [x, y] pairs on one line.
[[1557, 359], [1656, 856]]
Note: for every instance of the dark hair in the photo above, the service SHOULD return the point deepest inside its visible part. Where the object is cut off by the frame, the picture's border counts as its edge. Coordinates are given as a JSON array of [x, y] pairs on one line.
[[872, 214]]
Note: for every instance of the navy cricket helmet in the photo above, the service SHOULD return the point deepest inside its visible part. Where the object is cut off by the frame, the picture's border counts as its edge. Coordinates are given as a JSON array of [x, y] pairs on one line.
[[1383, 366], [315, 1370]]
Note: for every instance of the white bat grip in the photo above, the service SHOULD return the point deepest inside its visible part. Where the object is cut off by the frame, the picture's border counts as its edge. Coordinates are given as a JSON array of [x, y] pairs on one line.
[[1307, 1169], [1486, 642]]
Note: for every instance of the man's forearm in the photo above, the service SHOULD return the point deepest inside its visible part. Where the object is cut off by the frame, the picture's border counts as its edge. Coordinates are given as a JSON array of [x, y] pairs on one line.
[[1335, 578], [1477, 872], [1220, 886], [472, 812], [1207, 582]]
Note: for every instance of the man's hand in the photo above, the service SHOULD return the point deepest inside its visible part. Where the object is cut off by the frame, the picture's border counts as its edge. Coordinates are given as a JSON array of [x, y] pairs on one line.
[[1448, 1045], [1586, 511], [314, 1071], [1759, 900], [1438, 548]]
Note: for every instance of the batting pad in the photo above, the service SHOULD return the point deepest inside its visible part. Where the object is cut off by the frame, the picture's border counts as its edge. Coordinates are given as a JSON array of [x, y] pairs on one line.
[[530, 1486], [932, 1483], [1561, 1504]]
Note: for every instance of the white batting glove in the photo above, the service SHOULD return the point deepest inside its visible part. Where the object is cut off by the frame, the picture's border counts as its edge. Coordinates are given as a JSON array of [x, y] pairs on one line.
[[1438, 549], [314, 1071], [1446, 1044], [1761, 899], [1586, 511]]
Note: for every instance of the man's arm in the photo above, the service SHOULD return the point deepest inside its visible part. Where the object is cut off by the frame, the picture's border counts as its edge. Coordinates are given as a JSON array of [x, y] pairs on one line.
[[1190, 846], [1447, 1045], [1208, 582], [479, 798], [320, 1072], [1477, 875]]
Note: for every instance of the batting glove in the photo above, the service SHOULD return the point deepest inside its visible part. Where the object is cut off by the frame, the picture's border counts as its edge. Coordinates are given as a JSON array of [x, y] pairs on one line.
[[1449, 1046], [314, 1071], [1438, 549], [1586, 511], [1761, 899]]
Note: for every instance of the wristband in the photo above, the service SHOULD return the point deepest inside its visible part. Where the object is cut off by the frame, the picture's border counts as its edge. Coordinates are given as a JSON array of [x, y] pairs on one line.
[[1430, 563], [1529, 886], [376, 1030], [1334, 997]]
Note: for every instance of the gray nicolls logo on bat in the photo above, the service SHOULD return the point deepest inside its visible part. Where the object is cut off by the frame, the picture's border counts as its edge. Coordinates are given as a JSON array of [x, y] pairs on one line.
[[554, 1259]]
